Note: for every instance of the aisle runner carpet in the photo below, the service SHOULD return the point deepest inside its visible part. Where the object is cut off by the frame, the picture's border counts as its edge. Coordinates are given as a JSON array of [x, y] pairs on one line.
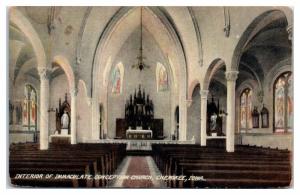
[[138, 166]]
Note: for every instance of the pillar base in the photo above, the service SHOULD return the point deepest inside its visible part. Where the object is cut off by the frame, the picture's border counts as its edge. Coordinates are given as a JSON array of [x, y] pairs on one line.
[[44, 146]]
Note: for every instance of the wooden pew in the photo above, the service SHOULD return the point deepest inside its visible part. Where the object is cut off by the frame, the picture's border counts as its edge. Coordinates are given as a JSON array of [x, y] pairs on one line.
[[80, 159], [245, 168]]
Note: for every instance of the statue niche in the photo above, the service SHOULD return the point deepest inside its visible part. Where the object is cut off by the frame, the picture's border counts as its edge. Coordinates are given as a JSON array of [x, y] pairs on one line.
[[214, 119], [63, 119]]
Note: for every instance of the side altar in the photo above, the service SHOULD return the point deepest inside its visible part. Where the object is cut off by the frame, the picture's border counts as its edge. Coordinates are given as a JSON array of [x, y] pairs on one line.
[[63, 120], [139, 121]]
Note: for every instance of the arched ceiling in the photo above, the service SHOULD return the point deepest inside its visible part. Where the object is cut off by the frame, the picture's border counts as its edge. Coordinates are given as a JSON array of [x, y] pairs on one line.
[[267, 45], [218, 81], [128, 24], [131, 22], [21, 54]]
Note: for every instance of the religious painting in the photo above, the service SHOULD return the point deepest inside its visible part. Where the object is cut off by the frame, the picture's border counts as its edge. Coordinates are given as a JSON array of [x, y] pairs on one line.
[[117, 79], [161, 77]]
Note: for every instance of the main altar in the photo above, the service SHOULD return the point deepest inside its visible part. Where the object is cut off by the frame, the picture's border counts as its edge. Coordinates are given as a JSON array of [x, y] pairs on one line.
[[139, 121], [138, 134]]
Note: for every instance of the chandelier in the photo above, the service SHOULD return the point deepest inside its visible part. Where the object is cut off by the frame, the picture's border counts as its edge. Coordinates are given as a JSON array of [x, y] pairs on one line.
[[140, 64]]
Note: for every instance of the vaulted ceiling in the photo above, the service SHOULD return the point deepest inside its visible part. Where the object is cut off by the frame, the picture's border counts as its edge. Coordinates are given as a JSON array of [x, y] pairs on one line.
[[20, 53], [266, 47]]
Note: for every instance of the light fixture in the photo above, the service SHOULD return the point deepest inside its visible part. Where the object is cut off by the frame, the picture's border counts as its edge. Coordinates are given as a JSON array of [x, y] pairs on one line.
[[140, 64]]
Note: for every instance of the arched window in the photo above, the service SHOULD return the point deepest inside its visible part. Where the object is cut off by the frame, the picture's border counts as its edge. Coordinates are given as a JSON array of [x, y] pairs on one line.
[[283, 103], [29, 118], [246, 109], [161, 77], [117, 79]]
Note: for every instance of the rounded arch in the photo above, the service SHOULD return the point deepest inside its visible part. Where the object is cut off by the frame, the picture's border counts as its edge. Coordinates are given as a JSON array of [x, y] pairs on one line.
[[276, 71], [191, 88], [256, 76], [253, 28], [251, 84], [65, 65], [29, 64], [16, 17], [215, 65]]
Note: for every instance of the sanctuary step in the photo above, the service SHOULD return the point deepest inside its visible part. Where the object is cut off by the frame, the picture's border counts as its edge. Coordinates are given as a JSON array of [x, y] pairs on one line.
[[138, 147], [141, 147]]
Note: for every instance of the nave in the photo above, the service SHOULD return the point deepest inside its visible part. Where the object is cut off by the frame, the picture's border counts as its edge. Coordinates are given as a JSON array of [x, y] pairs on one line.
[[168, 166]]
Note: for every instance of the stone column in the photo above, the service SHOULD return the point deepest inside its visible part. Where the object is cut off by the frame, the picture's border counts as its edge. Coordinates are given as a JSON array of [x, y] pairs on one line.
[[44, 106], [203, 135], [73, 116], [231, 77], [95, 118], [183, 119]]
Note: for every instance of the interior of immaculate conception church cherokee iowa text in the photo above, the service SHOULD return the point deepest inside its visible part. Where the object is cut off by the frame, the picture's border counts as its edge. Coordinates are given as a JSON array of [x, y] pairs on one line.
[[150, 97]]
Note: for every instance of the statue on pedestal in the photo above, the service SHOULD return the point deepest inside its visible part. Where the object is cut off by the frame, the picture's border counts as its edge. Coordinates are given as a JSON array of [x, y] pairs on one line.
[[213, 123], [65, 120]]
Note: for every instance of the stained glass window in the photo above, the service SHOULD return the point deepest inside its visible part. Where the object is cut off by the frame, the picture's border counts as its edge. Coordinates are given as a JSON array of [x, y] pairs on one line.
[[283, 103], [29, 107], [246, 109]]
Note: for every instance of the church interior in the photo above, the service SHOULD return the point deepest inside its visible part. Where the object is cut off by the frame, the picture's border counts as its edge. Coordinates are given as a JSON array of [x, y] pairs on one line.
[[150, 97]]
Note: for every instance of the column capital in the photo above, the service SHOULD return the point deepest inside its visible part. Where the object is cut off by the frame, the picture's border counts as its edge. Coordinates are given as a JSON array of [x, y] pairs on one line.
[[44, 73], [204, 93], [231, 75], [189, 102]]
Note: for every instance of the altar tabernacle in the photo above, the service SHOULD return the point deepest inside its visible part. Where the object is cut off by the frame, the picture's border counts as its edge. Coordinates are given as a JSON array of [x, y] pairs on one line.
[[139, 121]]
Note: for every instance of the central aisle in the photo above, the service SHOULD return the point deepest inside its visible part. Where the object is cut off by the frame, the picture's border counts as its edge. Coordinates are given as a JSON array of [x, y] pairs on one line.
[[141, 172]]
